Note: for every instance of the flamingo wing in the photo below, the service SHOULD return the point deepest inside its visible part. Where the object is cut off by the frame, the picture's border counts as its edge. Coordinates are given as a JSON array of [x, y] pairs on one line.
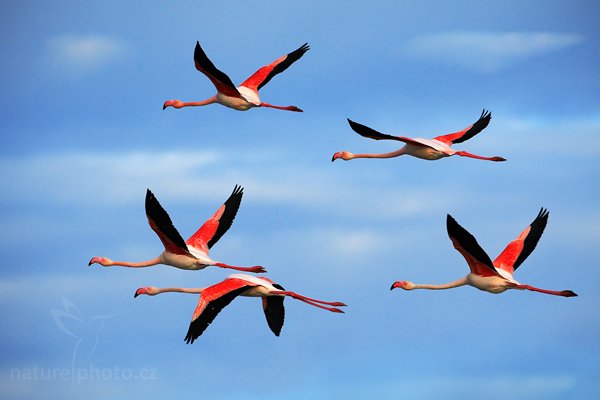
[[519, 249], [161, 224], [466, 244], [274, 310], [371, 133], [261, 77], [217, 77], [469, 131], [212, 230], [212, 300]]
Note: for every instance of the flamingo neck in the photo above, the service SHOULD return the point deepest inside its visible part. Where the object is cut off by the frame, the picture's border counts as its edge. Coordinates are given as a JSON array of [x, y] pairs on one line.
[[180, 290], [449, 285], [208, 101], [391, 154], [140, 264]]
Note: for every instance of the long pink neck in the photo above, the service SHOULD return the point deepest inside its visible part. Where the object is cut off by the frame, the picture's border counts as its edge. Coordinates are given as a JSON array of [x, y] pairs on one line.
[[197, 103], [391, 154], [450, 285], [180, 290], [140, 264]]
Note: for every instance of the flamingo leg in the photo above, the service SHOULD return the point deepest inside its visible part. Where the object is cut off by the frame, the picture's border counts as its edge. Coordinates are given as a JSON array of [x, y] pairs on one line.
[[332, 309], [309, 300], [467, 154], [563, 293], [288, 108], [257, 269]]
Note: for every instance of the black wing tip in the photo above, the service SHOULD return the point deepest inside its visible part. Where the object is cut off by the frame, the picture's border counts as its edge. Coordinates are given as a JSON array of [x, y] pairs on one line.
[[189, 339], [356, 127], [237, 190], [450, 220], [150, 197], [304, 48], [486, 114], [198, 52], [543, 214]]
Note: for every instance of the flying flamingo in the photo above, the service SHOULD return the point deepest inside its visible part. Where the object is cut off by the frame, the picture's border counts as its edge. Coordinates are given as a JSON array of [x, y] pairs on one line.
[[193, 253], [214, 298], [427, 149], [497, 276], [244, 96]]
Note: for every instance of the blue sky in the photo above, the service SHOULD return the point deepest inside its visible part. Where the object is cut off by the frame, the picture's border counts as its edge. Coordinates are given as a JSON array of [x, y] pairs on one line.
[[84, 135]]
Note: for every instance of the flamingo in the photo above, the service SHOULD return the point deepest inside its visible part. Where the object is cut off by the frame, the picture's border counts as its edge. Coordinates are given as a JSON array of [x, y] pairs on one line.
[[216, 297], [497, 276], [427, 149], [193, 253], [246, 95]]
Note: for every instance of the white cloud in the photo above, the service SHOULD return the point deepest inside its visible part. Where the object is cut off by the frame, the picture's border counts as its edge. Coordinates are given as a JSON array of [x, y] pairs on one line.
[[81, 54], [488, 51], [120, 178], [80, 178]]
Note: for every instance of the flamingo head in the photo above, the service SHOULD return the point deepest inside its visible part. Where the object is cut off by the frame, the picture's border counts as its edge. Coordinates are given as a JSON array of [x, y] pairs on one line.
[[150, 291], [497, 159], [172, 103], [406, 285], [344, 155], [106, 262]]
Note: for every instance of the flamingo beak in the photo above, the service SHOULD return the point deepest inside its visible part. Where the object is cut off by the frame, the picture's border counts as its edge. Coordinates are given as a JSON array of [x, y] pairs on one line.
[[334, 157], [137, 293], [395, 285]]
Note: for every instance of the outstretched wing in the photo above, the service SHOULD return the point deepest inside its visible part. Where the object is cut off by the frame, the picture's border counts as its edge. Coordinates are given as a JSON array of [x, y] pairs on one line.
[[217, 77], [274, 311], [469, 131], [519, 249], [212, 230], [159, 221], [466, 244], [261, 77], [371, 133], [212, 300]]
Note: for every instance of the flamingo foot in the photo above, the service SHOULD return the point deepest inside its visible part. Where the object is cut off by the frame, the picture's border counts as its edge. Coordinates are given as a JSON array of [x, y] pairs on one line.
[[497, 159], [568, 293], [257, 269]]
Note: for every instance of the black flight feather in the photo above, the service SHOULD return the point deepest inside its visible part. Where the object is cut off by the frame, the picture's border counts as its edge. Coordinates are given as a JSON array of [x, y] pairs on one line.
[[477, 127], [161, 219], [282, 66], [537, 228], [231, 208], [468, 242], [213, 308]]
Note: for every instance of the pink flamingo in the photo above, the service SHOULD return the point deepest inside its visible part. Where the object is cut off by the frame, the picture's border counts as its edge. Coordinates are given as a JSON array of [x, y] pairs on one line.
[[193, 253], [427, 149], [214, 298], [246, 95], [497, 276]]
